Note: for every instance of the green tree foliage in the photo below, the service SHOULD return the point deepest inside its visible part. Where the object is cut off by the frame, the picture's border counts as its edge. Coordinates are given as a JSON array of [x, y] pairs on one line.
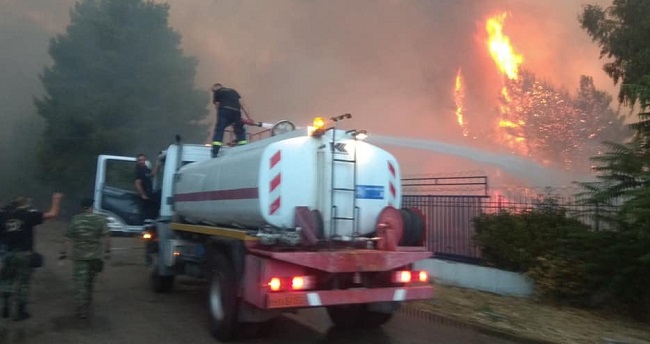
[[119, 84], [623, 33], [515, 242], [624, 181], [642, 92], [569, 262]]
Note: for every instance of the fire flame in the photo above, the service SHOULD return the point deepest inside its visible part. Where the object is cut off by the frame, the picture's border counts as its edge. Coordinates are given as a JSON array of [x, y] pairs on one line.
[[508, 62], [459, 96], [534, 119], [500, 48]]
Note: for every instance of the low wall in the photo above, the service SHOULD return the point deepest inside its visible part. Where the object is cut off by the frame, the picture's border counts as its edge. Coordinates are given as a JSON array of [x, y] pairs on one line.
[[477, 277]]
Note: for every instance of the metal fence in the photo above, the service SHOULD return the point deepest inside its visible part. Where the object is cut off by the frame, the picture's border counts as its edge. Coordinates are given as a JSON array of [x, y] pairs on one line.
[[450, 206], [449, 224]]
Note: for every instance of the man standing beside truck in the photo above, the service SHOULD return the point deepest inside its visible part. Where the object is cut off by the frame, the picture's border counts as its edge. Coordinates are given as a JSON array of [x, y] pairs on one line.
[[144, 187], [86, 232], [17, 222]]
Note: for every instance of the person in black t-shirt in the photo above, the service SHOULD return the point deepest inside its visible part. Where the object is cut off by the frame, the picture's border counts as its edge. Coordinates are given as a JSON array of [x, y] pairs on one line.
[[229, 107], [144, 186], [17, 222]]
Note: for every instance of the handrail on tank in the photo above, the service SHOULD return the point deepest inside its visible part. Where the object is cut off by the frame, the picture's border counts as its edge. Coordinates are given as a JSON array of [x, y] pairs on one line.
[[251, 137], [264, 134]]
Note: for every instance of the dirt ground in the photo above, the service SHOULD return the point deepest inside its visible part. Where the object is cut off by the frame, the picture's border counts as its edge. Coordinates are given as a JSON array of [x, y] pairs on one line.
[[529, 319], [127, 312]]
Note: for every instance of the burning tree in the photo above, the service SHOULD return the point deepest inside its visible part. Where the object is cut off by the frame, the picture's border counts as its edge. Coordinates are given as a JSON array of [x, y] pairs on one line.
[[554, 128], [537, 120]]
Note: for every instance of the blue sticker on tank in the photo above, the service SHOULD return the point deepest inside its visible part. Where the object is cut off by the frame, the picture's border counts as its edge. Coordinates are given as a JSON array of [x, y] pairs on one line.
[[370, 191]]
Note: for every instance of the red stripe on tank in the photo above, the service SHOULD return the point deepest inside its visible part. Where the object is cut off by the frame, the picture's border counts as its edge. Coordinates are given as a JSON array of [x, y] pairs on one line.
[[275, 182], [275, 159], [391, 168], [274, 206], [218, 195]]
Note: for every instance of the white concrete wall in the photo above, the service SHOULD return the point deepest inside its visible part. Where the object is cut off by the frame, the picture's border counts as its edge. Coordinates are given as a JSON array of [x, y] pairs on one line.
[[477, 277]]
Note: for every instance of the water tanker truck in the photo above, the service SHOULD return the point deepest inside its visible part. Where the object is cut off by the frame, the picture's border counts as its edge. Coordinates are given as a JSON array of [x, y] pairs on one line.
[[304, 217]]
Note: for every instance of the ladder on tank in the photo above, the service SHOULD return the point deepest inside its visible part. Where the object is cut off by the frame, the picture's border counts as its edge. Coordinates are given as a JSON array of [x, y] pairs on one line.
[[340, 188]]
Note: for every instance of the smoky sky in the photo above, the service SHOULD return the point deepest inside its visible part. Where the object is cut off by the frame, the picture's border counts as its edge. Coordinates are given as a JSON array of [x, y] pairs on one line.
[[391, 63]]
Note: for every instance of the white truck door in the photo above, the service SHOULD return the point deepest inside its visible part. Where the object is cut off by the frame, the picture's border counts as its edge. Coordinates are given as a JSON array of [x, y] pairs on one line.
[[115, 195]]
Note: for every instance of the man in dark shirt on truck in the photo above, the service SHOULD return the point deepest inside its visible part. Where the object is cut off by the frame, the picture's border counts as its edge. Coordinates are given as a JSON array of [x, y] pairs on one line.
[[149, 201], [229, 108]]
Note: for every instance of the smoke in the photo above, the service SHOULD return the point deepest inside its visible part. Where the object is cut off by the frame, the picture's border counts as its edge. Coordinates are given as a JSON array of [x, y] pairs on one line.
[[384, 61], [391, 63]]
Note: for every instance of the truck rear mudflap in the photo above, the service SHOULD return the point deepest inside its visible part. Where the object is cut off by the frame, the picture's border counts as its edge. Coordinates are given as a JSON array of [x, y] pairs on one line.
[[348, 296]]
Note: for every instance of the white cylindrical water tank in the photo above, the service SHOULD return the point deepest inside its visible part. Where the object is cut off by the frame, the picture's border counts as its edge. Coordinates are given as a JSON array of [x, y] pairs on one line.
[[263, 182]]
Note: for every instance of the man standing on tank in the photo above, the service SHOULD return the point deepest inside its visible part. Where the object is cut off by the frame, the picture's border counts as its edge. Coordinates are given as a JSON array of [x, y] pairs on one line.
[[229, 108]]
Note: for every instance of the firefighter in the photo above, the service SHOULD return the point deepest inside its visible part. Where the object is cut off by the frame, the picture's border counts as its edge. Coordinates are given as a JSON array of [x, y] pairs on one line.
[[229, 110], [19, 220]]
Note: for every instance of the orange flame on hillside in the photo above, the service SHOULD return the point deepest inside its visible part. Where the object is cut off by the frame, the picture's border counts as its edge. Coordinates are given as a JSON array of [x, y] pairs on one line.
[[508, 62], [459, 96], [500, 48]]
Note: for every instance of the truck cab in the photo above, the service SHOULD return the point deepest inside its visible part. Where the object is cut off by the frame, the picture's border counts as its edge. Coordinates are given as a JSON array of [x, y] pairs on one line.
[[115, 195]]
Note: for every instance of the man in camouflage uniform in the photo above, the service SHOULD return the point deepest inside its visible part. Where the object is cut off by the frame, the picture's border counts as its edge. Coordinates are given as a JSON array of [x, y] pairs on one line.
[[86, 232], [17, 222]]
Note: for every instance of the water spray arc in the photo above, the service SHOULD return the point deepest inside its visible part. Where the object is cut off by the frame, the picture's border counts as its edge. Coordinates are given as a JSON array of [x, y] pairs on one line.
[[514, 165]]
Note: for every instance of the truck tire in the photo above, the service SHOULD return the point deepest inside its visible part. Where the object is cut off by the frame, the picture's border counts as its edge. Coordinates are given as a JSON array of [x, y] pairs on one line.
[[356, 316], [158, 283], [222, 298]]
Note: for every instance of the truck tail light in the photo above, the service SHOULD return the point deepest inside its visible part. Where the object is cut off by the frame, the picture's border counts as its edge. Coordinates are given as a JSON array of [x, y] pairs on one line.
[[302, 282], [406, 276], [275, 284], [293, 283], [402, 277]]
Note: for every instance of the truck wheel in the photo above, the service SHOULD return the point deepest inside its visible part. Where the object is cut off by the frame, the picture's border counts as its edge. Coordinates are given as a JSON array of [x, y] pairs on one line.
[[222, 299], [158, 283]]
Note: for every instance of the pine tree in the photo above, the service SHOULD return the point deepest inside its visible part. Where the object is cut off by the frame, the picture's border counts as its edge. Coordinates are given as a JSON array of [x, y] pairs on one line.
[[119, 84], [623, 33]]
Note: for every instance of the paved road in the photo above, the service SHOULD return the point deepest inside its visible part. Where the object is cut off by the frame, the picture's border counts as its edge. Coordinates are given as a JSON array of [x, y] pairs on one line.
[[125, 311]]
